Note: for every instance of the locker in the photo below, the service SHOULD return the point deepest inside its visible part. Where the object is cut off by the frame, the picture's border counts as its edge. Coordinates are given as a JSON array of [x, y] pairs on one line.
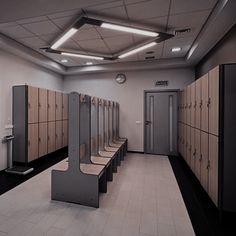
[[58, 134], [213, 168], [185, 106], [43, 104], [198, 104], [51, 136], [33, 150], [197, 167], [65, 106], [43, 139], [192, 161], [58, 106], [204, 160], [51, 105], [193, 105], [188, 145], [188, 104], [214, 101], [205, 103], [65, 133], [33, 105], [185, 142]]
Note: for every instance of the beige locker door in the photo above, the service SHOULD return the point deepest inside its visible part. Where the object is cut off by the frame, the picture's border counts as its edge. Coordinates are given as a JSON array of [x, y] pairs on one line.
[[189, 145], [193, 105], [185, 142], [51, 105], [33, 148], [58, 106], [213, 168], [33, 109], [197, 166], [204, 162], [214, 101], [65, 133], [65, 105], [51, 136], [205, 100], [185, 106], [192, 161], [43, 105], [198, 104], [182, 141], [58, 134], [43, 139], [189, 104]]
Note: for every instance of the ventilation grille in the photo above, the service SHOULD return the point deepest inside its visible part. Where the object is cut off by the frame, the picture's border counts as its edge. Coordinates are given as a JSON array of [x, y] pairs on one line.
[[182, 31]]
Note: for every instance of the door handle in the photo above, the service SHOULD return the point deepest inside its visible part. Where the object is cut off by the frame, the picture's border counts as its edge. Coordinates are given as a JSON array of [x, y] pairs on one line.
[[147, 122]]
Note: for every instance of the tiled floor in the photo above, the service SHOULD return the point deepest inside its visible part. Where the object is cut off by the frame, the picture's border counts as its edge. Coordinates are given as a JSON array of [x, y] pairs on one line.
[[143, 200]]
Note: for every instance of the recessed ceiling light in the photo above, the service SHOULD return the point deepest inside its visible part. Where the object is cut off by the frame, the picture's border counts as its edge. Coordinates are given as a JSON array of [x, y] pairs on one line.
[[136, 50], [177, 49], [88, 63], [81, 56], [65, 37], [64, 60], [129, 29]]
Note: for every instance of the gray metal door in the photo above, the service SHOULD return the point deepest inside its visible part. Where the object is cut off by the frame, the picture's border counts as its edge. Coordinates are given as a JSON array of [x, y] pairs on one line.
[[161, 123]]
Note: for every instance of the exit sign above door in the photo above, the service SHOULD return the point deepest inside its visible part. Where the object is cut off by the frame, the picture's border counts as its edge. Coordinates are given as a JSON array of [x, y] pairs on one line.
[[161, 83]]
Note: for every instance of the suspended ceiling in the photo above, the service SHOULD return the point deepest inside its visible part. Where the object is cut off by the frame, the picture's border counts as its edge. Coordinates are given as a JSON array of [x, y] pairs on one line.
[[37, 25]]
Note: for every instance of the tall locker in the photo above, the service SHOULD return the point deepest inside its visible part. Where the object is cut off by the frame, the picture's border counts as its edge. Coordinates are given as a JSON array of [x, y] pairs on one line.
[[192, 160], [193, 105], [58, 106], [214, 101], [32, 105], [188, 145], [51, 136], [43, 139], [58, 134], [198, 104], [197, 167], [213, 168], [188, 105], [51, 105], [205, 103], [33, 148], [65, 133], [43, 105], [204, 160], [184, 105], [185, 141], [65, 106]]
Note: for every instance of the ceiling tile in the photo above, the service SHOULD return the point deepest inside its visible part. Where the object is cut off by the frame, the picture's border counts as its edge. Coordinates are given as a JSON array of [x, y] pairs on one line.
[[184, 43], [86, 34], [117, 13], [188, 19], [96, 45], [148, 9], [16, 32], [34, 42], [41, 28], [32, 20], [181, 6], [70, 45], [155, 23], [49, 38], [108, 5], [119, 43], [9, 24], [64, 22], [65, 14]]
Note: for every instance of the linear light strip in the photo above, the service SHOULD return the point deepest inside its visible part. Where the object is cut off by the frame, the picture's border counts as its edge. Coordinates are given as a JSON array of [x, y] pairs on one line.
[[65, 37], [129, 29], [81, 56], [136, 50]]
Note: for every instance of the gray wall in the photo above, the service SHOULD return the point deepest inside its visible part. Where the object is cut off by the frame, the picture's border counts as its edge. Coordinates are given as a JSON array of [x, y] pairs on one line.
[[15, 71], [130, 95], [223, 52]]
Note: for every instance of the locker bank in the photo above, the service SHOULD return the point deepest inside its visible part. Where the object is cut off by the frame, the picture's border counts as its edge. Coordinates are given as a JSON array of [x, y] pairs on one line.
[[118, 118]]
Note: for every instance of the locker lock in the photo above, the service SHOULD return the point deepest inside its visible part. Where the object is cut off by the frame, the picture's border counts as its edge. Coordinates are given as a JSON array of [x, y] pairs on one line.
[[208, 165], [209, 102], [200, 159]]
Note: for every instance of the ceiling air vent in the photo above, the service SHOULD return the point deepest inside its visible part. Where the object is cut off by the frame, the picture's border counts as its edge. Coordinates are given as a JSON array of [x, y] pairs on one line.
[[182, 31], [150, 52]]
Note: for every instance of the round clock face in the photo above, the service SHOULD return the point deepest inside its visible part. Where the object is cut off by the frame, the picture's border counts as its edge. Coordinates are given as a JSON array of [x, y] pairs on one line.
[[120, 78]]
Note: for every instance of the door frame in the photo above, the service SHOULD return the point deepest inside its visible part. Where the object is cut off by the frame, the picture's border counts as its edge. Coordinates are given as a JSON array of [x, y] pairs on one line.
[[144, 110]]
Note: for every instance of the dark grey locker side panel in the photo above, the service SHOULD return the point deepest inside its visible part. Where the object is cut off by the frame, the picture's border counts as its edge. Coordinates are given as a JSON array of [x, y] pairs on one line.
[[20, 124], [228, 132]]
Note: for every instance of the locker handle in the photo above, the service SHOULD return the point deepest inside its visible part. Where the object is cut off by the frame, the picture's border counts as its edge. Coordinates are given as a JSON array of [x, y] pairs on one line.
[[194, 153], [200, 159], [209, 102], [39, 139], [208, 165], [48, 138], [39, 105], [48, 106], [29, 105], [195, 104], [200, 104], [28, 142]]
